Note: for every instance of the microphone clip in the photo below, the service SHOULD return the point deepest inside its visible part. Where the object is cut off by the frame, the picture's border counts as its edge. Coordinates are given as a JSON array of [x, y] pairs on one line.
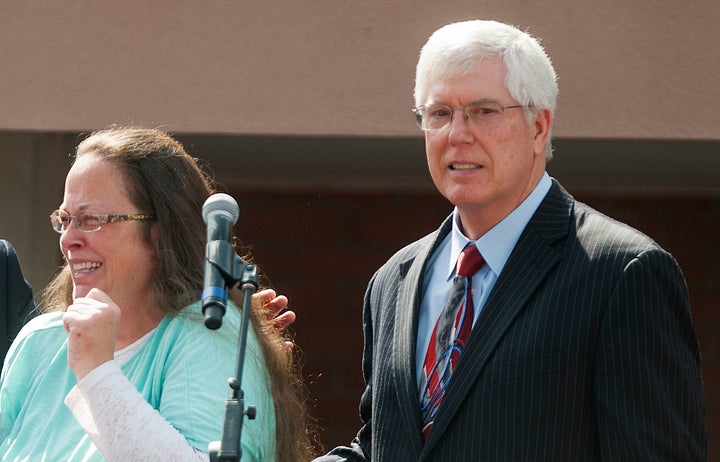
[[233, 269]]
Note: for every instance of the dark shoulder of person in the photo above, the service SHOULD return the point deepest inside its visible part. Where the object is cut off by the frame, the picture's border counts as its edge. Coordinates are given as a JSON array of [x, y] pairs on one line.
[[16, 297]]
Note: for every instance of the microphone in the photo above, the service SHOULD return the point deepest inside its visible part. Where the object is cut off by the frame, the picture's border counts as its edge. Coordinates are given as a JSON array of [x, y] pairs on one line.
[[220, 213]]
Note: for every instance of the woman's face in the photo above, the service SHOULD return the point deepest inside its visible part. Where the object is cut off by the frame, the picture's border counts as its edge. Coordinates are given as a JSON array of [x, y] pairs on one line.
[[115, 258]]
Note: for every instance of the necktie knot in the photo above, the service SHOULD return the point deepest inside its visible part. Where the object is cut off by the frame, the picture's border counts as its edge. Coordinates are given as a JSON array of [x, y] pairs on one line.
[[469, 261]]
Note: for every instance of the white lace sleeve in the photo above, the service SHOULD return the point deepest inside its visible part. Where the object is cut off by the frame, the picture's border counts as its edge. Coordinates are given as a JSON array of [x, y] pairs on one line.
[[123, 426]]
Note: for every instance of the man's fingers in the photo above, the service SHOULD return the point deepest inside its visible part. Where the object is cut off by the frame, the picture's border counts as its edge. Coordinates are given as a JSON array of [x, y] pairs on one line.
[[282, 321]]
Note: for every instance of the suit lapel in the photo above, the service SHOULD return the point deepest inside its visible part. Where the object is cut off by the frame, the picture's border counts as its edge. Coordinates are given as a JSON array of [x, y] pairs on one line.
[[533, 257], [405, 334]]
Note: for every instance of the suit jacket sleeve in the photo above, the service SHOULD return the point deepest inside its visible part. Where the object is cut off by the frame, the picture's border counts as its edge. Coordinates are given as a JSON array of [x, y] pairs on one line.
[[16, 297], [648, 388]]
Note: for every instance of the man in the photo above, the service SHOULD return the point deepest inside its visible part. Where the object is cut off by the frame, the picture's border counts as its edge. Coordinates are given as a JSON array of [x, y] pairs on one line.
[[16, 297], [582, 346]]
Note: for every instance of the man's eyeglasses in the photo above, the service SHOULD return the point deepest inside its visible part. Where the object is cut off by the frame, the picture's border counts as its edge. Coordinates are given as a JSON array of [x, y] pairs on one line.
[[483, 113], [89, 222]]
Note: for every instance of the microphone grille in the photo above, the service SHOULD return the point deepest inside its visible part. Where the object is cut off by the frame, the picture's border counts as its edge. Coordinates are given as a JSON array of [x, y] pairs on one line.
[[221, 202]]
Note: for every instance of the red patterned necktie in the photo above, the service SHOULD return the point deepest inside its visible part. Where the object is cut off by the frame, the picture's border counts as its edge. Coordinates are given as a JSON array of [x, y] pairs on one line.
[[449, 336]]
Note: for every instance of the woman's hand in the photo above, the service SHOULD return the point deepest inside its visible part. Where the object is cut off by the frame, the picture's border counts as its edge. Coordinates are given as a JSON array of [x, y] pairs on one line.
[[92, 323]]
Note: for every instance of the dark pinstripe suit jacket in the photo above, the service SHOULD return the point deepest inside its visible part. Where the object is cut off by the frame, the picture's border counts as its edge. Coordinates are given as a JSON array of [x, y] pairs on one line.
[[585, 351], [16, 297]]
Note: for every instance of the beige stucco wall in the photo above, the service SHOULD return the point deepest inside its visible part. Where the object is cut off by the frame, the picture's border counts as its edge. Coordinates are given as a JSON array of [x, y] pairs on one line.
[[628, 69]]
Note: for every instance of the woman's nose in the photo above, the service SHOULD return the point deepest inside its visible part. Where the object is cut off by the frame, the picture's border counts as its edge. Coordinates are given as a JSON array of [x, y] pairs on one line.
[[71, 236]]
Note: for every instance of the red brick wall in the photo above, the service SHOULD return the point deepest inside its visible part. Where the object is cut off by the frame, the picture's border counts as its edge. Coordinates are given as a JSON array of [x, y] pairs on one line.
[[320, 249]]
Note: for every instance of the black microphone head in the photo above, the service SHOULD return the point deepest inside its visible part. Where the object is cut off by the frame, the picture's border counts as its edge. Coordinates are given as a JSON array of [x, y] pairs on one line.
[[221, 203]]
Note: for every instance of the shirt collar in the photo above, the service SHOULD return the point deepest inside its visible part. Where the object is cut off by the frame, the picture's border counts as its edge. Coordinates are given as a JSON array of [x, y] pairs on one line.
[[497, 244]]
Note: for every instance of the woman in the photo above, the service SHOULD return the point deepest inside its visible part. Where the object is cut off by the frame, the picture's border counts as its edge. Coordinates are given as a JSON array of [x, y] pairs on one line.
[[146, 379]]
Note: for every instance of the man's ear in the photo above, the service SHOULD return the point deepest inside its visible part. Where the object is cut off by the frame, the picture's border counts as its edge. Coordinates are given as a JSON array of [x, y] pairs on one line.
[[542, 124]]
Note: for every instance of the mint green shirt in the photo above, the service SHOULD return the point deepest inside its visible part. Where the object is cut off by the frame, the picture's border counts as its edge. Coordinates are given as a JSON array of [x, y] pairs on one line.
[[181, 371]]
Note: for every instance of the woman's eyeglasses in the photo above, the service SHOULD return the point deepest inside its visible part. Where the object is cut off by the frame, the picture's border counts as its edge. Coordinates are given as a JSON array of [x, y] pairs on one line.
[[89, 222]]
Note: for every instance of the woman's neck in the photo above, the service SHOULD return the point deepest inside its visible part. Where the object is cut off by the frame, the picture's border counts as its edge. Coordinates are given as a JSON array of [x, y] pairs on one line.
[[135, 324]]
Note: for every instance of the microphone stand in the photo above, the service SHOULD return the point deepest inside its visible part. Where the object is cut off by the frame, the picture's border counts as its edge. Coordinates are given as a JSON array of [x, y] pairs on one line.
[[234, 269]]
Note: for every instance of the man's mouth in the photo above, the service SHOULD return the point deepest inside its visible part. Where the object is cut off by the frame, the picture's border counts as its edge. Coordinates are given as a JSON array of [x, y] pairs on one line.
[[464, 166]]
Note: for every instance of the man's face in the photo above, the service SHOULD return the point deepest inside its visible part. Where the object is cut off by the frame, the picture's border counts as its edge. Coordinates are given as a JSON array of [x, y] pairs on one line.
[[486, 171]]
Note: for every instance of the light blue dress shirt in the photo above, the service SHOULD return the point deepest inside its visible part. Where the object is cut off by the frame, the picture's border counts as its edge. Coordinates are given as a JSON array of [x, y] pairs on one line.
[[495, 246]]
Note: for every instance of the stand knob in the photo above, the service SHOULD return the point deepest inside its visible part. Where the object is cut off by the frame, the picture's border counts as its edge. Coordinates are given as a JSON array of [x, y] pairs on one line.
[[251, 412]]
